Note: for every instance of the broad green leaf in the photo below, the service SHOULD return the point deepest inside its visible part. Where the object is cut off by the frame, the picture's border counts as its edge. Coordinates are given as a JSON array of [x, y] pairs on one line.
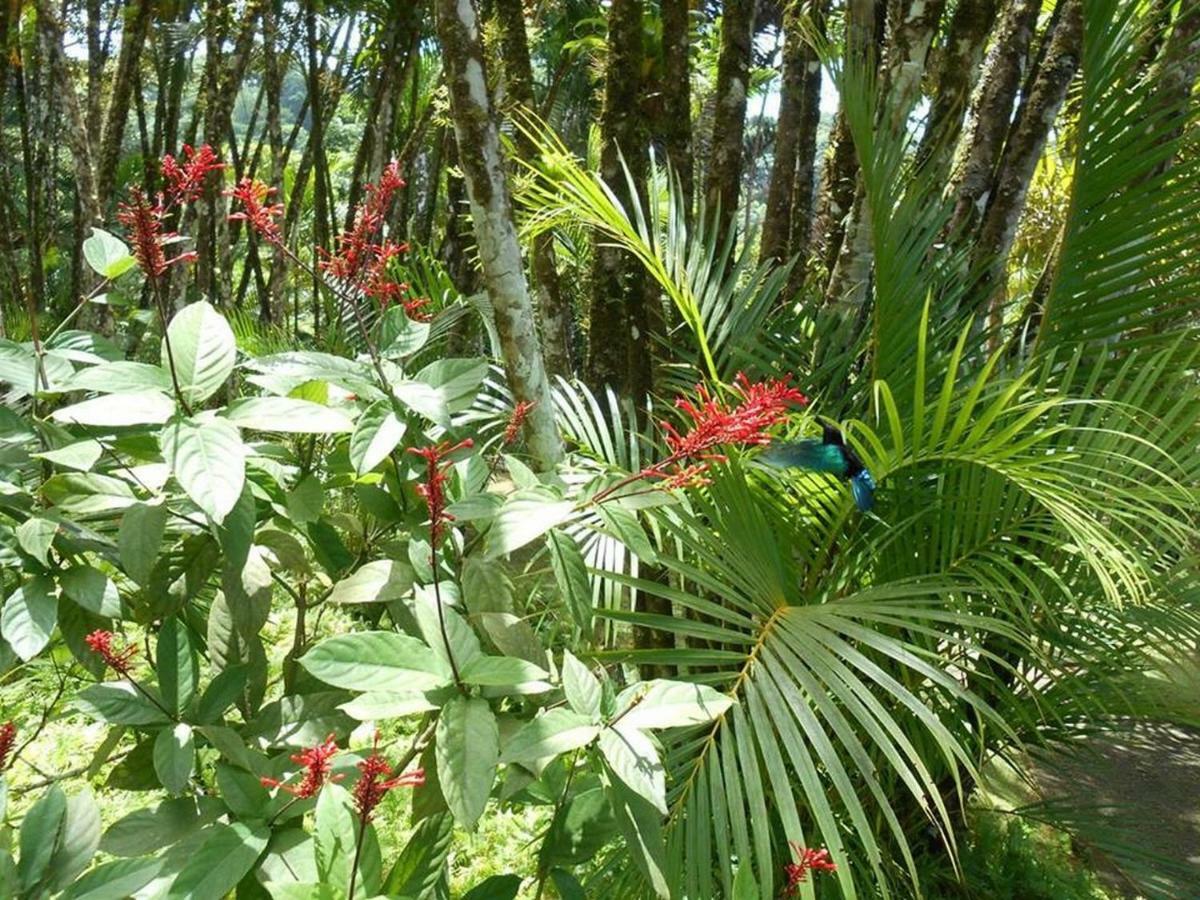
[[501, 671], [148, 830], [570, 573], [242, 791], [375, 436], [81, 455], [115, 880], [287, 415], [421, 863], [401, 336], [147, 407], [306, 500], [526, 515], [175, 757], [78, 842], [177, 667], [423, 400], [302, 890], [208, 460], [581, 687], [388, 705], [140, 539], [550, 733], [641, 825], [83, 495], [222, 692], [29, 616], [514, 636], [334, 835], [204, 350], [35, 535], [462, 641], [497, 887], [41, 834], [634, 759], [108, 255], [580, 829], [215, 869], [624, 525], [669, 704], [457, 381], [120, 703], [468, 749], [380, 581], [375, 661], [92, 590], [122, 377]]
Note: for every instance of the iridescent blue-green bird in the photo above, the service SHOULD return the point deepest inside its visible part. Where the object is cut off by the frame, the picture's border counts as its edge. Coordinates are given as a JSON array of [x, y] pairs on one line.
[[830, 454]]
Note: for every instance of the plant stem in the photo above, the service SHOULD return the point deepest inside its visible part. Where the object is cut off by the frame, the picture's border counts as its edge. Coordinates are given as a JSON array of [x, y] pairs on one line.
[[437, 598], [160, 303], [543, 870], [362, 831]]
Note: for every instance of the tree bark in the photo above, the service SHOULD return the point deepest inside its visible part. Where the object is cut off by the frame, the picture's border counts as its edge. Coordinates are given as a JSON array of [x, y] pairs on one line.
[[676, 127], [554, 312], [618, 351], [777, 220], [729, 122], [495, 231], [1023, 149], [133, 37], [991, 113]]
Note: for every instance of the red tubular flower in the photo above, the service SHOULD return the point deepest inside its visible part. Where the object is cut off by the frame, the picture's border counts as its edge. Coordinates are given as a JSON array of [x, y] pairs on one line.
[[516, 421], [144, 223], [8, 736], [186, 182], [809, 860], [433, 490], [258, 213], [101, 643], [317, 766], [373, 783]]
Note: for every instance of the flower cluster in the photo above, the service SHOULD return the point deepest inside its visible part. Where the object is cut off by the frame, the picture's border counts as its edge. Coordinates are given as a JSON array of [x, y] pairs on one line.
[[516, 421], [257, 212], [374, 783], [185, 181], [317, 762], [8, 736], [434, 489], [101, 643], [796, 872], [144, 221]]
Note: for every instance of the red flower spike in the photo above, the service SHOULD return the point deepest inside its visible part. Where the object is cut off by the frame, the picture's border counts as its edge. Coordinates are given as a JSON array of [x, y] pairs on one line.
[[101, 643], [144, 222], [808, 861], [516, 421], [186, 182], [373, 784], [8, 737], [258, 213], [317, 766], [413, 308], [433, 490]]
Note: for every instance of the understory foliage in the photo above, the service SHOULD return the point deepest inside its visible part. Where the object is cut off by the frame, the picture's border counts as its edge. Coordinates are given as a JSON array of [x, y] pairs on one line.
[[712, 677]]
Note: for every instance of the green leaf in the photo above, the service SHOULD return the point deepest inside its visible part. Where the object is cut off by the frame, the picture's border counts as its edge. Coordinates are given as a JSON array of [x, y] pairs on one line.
[[423, 400], [625, 526], [375, 436], [302, 890], [140, 539], [580, 829], [380, 581], [222, 692], [375, 661], [634, 759], [41, 831], [669, 704], [119, 410], [401, 336], [306, 500], [223, 859], [581, 687], [92, 590], [120, 377], [497, 887], [208, 460], [334, 835], [287, 415], [85, 495], [526, 515], [80, 455], [120, 703], [388, 705], [78, 841], [204, 350], [29, 616], [550, 733], [641, 825], [422, 862], [175, 757], [501, 671], [35, 535], [148, 830], [468, 750], [177, 667], [115, 880], [457, 381], [242, 792], [570, 573], [107, 255]]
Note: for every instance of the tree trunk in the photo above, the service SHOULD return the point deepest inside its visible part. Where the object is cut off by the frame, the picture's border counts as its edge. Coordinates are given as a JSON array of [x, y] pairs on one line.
[[1021, 153], [991, 112], [133, 37], [777, 220], [836, 194], [676, 127], [729, 122], [618, 352], [554, 312], [954, 77], [495, 231]]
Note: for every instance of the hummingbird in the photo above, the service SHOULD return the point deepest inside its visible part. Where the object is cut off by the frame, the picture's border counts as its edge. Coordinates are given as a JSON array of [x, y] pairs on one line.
[[830, 454]]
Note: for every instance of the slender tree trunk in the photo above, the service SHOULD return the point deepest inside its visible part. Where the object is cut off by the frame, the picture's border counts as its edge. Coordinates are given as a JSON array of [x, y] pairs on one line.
[[1021, 153], [133, 37], [619, 288], [954, 78], [676, 127], [836, 193], [1175, 71], [95, 65], [271, 306], [33, 208], [729, 123], [495, 231], [316, 107], [991, 112], [554, 312]]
